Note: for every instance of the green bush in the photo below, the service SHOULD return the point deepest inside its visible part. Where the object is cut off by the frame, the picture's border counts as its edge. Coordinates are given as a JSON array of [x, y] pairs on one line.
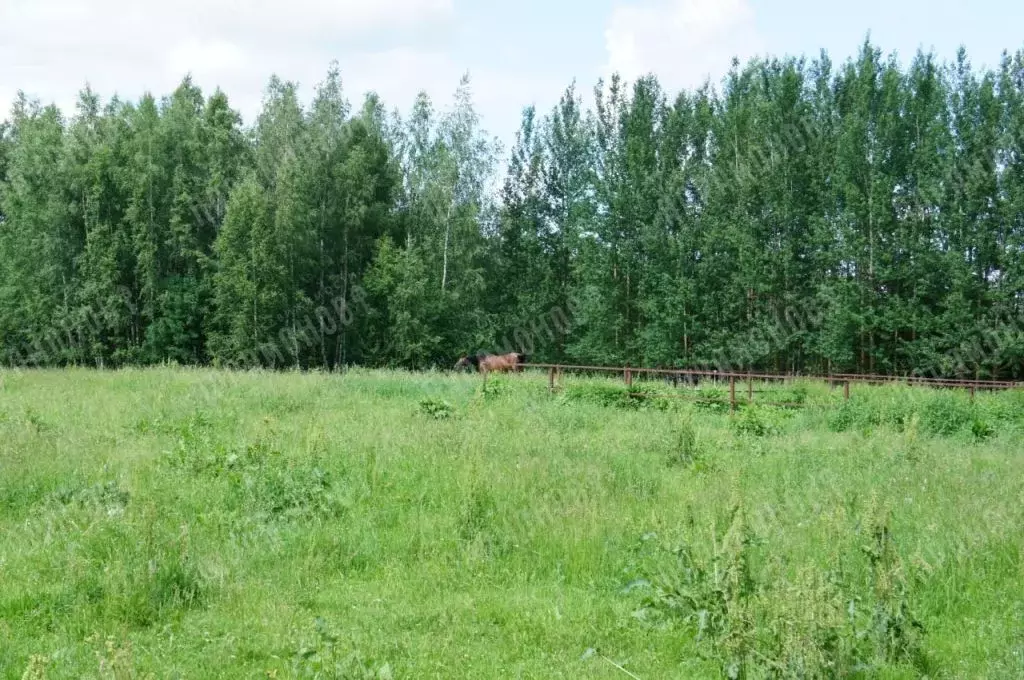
[[945, 413], [687, 450], [981, 429], [941, 413], [609, 395], [752, 621], [436, 409], [757, 421]]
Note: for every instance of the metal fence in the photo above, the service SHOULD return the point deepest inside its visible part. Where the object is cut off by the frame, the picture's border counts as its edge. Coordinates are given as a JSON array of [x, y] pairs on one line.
[[746, 381]]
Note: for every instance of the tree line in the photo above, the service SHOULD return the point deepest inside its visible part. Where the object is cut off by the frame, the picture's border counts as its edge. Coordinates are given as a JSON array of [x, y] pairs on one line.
[[804, 216]]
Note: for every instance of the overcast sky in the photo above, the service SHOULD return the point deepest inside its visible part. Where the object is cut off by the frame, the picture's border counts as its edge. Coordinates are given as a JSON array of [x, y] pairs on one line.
[[517, 53]]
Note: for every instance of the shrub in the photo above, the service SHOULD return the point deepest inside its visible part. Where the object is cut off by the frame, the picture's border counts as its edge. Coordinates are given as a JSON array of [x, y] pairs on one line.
[[685, 452], [436, 409], [497, 385], [754, 621], [265, 482], [616, 396], [946, 413], [756, 422], [328, 655], [713, 597], [981, 429], [939, 412]]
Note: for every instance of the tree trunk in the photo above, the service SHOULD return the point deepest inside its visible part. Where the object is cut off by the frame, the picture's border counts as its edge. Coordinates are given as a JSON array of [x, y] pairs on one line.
[[447, 234], [323, 296], [343, 350]]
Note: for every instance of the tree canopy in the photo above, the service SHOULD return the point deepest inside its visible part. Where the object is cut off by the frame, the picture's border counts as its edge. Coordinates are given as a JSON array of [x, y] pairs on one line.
[[805, 216]]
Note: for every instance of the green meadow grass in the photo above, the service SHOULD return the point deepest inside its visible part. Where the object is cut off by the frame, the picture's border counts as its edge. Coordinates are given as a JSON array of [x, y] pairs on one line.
[[174, 523]]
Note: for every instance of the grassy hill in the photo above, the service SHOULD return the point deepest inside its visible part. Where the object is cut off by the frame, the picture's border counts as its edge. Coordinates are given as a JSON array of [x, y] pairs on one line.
[[191, 523]]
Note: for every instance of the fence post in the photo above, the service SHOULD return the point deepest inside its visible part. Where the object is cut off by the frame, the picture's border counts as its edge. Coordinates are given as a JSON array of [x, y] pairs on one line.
[[972, 393], [629, 377], [846, 391], [750, 388], [732, 394], [551, 379]]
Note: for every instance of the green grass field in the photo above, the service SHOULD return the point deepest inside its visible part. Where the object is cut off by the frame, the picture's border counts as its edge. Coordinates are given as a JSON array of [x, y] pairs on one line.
[[175, 523]]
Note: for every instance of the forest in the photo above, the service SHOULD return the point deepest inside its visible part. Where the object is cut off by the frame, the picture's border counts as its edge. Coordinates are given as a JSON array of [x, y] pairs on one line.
[[801, 216]]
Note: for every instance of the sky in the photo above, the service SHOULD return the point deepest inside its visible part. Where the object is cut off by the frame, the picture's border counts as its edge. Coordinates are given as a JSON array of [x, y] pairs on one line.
[[516, 54]]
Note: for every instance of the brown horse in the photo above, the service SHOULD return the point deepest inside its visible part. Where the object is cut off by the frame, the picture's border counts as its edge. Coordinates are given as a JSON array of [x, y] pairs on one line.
[[485, 363]]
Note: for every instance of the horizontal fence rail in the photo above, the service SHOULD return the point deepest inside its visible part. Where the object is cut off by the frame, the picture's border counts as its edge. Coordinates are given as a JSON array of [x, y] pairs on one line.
[[693, 376]]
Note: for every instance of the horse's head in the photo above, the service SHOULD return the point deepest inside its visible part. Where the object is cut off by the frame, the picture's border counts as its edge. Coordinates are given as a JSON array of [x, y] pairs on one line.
[[466, 362]]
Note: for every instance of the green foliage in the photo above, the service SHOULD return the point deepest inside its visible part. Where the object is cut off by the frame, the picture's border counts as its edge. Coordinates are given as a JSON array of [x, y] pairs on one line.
[[937, 412], [946, 413], [897, 632], [234, 509], [757, 421], [328, 655], [637, 397], [497, 386], [981, 429], [598, 394], [436, 409], [265, 484], [108, 496], [751, 623], [688, 451], [714, 598], [261, 482], [740, 229]]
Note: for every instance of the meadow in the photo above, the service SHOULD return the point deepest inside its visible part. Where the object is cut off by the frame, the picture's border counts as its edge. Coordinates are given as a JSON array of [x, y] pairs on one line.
[[186, 523]]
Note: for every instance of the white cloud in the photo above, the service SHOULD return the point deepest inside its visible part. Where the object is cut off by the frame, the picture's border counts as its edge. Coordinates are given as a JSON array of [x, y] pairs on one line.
[[94, 20], [52, 48], [204, 58], [499, 95], [683, 42]]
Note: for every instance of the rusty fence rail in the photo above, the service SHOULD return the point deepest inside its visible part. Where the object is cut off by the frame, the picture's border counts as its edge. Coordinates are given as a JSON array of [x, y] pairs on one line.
[[749, 378]]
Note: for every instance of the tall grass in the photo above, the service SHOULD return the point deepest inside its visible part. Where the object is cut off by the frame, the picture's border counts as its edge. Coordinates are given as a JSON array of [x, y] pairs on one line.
[[193, 523]]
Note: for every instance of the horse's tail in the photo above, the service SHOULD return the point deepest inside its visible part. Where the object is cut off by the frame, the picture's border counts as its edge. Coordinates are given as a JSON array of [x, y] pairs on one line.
[[522, 358]]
